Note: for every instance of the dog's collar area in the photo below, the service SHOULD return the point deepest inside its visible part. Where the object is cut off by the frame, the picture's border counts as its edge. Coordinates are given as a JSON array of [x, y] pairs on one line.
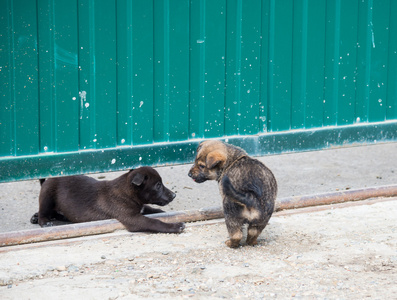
[[229, 166]]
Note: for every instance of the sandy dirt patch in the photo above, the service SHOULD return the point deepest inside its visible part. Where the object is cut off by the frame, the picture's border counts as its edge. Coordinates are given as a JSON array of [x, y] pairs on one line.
[[339, 253]]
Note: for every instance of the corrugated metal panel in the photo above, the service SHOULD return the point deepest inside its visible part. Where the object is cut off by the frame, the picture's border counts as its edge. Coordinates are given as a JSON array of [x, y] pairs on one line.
[[78, 75]]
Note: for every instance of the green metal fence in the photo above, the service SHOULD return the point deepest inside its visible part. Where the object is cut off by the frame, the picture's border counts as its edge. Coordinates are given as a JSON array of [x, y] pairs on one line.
[[91, 86]]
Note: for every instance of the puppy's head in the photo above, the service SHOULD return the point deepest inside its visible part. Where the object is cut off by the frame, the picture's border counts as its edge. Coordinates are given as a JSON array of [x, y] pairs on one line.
[[210, 160], [149, 187]]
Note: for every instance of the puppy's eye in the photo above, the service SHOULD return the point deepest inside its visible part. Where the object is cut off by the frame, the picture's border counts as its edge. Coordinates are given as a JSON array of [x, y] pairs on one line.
[[201, 167], [158, 185]]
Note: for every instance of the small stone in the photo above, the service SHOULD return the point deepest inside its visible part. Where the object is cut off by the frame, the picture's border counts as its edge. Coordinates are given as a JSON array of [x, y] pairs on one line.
[[103, 257], [203, 287], [73, 268], [61, 268]]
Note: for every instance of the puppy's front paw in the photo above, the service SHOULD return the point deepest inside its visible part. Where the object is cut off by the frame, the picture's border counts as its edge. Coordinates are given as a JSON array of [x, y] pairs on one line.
[[178, 227]]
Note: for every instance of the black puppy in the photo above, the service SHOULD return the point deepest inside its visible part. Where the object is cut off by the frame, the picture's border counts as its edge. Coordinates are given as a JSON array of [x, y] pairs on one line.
[[82, 199]]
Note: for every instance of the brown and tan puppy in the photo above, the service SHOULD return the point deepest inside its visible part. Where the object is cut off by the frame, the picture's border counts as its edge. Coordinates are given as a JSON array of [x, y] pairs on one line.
[[83, 199], [247, 186]]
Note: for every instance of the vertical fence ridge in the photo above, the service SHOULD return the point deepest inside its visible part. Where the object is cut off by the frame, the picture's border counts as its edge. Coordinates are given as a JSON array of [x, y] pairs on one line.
[[167, 71], [270, 95], [391, 112]]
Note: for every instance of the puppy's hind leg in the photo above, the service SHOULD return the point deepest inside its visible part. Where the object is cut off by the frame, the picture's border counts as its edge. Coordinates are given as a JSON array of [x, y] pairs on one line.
[[253, 232], [46, 209], [35, 218], [235, 233], [59, 217], [255, 229]]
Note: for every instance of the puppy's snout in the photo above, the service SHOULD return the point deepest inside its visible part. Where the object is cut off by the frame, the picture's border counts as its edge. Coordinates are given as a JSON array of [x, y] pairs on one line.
[[173, 195], [190, 174]]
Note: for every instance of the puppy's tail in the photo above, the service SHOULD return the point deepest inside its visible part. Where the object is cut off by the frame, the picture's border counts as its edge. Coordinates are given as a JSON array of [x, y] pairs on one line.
[[247, 198], [41, 181]]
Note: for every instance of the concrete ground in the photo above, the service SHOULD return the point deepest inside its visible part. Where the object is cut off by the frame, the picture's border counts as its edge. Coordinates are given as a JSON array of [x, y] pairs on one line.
[[297, 174], [337, 253]]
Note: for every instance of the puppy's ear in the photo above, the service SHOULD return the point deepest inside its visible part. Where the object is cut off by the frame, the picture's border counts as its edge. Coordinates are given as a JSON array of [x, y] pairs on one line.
[[215, 158], [200, 146], [137, 178]]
